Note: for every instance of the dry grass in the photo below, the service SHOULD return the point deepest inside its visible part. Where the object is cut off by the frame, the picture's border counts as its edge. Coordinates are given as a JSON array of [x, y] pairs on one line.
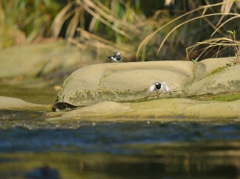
[[23, 21], [114, 26], [104, 27], [221, 43], [120, 25]]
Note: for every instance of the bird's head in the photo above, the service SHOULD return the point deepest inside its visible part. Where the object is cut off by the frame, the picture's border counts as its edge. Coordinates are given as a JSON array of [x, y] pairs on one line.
[[118, 54], [158, 85]]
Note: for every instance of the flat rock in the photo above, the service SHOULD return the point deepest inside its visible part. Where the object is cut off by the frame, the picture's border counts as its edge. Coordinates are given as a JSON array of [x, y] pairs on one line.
[[157, 110], [15, 103]]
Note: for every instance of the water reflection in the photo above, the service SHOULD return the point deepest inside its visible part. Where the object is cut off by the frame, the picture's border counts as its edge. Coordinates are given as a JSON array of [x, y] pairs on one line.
[[105, 150], [176, 160]]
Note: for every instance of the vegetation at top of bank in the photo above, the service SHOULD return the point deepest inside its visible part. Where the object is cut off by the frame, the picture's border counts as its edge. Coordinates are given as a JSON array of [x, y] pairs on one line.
[[205, 22], [24, 21], [139, 29], [218, 41]]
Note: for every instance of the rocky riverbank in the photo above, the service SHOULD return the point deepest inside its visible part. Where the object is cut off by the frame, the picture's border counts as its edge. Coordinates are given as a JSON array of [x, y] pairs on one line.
[[118, 90]]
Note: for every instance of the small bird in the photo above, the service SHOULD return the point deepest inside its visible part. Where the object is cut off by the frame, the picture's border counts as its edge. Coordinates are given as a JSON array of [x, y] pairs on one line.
[[159, 88], [116, 58]]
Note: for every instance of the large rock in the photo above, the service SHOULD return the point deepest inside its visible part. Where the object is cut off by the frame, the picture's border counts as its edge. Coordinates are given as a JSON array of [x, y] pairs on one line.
[[122, 82], [34, 59], [128, 82], [208, 66], [224, 80]]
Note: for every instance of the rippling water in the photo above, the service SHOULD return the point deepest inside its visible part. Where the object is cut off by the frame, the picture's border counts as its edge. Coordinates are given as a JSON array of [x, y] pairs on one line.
[[30, 146]]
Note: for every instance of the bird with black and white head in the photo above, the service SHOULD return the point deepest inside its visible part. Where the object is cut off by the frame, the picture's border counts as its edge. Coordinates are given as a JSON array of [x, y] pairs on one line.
[[116, 57], [159, 88]]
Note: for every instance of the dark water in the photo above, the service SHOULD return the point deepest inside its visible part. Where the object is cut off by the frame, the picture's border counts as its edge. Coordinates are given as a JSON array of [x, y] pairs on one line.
[[30, 147]]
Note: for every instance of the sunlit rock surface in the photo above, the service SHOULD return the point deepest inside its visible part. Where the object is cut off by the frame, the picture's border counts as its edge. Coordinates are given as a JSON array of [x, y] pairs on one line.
[[128, 82], [15, 103], [162, 109], [123, 82], [37, 59], [224, 80], [206, 67]]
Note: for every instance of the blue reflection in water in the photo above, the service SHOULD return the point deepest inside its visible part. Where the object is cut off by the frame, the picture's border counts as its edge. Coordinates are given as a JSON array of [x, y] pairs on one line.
[[108, 137]]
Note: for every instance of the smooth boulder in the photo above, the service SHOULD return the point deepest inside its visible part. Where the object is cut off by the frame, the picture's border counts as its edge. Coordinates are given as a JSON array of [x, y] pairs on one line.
[[128, 82], [122, 82], [224, 80], [37, 59]]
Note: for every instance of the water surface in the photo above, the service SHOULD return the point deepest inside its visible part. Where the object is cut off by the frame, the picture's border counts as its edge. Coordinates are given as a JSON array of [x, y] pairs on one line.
[[30, 146]]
